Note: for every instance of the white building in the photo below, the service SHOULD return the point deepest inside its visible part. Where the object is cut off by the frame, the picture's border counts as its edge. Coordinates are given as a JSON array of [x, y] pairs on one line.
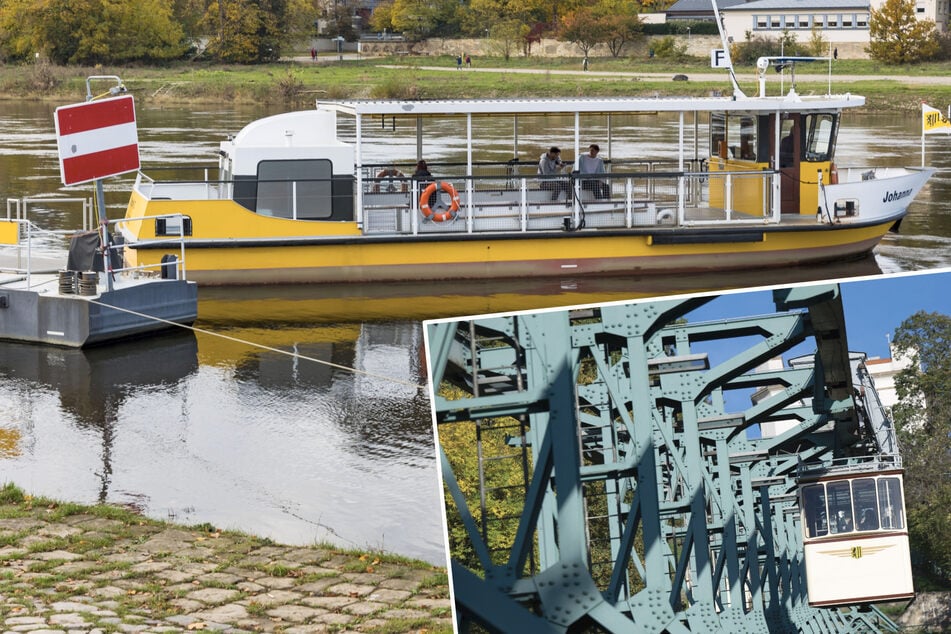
[[882, 371], [841, 23]]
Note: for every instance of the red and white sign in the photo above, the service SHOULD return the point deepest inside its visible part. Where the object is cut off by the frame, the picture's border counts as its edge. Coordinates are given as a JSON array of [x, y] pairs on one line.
[[97, 139]]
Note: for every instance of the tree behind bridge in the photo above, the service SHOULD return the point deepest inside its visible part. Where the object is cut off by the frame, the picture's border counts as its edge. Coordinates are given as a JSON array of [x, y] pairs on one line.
[[923, 419]]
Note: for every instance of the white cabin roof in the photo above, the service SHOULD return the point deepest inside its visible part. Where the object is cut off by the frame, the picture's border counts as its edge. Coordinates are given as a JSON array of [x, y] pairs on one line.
[[614, 105]]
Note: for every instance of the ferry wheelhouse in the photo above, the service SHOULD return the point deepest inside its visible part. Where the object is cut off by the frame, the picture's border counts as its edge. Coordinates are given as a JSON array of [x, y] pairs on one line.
[[753, 183]]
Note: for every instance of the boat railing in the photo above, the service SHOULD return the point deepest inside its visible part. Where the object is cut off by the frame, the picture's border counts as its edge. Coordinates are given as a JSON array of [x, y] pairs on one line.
[[610, 200], [39, 251], [31, 248], [171, 267]]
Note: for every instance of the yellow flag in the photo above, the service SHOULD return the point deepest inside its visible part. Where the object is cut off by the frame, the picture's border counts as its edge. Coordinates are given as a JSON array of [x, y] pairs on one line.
[[933, 121]]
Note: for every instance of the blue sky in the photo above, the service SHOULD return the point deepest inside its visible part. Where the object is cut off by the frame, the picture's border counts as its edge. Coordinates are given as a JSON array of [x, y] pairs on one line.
[[874, 307]]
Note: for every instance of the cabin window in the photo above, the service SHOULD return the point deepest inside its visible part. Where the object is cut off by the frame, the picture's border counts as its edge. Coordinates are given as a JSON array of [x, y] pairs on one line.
[[814, 506], [840, 507], [820, 137], [890, 503], [866, 507], [300, 190]]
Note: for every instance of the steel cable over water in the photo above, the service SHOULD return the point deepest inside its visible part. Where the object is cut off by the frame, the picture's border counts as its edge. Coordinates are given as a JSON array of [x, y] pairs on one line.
[[261, 346]]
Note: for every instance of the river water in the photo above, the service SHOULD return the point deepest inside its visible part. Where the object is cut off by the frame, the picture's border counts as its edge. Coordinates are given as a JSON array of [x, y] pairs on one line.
[[198, 428]]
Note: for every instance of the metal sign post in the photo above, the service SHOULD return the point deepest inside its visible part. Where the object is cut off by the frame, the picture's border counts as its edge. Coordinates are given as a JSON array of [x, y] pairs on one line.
[[98, 139]]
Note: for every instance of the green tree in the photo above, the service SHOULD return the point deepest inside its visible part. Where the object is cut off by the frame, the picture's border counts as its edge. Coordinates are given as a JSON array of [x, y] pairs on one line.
[[507, 36], [241, 31], [898, 37], [923, 419], [418, 19], [90, 31]]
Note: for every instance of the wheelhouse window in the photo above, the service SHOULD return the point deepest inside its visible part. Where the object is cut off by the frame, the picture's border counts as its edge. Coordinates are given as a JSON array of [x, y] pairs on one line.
[[820, 137], [300, 190], [717, 135]]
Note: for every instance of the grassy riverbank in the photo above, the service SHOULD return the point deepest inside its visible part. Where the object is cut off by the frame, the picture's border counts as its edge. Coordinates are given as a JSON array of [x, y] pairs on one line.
[[298, 83], [101, 568]]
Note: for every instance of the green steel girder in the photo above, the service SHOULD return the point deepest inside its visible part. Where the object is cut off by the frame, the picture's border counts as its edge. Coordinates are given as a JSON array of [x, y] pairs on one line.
[[642, 507]]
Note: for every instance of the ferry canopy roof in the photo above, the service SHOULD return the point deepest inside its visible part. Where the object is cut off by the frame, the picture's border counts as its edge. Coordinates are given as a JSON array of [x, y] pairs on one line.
[[603, 105]]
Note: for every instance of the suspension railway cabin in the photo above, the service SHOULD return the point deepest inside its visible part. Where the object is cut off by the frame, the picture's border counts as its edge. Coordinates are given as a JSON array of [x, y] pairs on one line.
[[855, 538], [746, 182]]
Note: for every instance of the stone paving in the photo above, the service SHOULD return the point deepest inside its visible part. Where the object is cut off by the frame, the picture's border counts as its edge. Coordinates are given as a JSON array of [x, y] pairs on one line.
[[95, 570]]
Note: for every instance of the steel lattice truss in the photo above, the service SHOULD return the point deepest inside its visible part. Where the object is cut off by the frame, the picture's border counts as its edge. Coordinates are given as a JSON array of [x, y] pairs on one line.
[[640, 504]]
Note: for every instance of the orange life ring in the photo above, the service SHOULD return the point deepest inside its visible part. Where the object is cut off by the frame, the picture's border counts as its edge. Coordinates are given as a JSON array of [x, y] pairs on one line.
[[390, 173], [440, 216]]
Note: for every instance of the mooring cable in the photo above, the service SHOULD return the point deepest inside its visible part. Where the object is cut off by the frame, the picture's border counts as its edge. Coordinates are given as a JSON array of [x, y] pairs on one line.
[[261, 346]]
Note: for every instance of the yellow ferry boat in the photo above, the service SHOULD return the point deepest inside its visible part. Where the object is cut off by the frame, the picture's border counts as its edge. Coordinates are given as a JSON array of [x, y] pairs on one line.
[[292, 202]]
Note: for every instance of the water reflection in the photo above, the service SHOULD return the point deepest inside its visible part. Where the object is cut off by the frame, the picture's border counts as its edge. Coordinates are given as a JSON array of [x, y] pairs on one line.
[[203, 429]]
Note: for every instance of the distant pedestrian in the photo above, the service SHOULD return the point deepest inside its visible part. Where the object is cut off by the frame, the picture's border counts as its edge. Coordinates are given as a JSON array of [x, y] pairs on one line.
[[468, 62], [584, 64], [458, 62], [313, 54]]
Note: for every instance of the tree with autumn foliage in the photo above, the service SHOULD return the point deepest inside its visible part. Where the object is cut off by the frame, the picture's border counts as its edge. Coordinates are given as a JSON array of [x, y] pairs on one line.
[[898, 37], [584, 28], [621, 22]]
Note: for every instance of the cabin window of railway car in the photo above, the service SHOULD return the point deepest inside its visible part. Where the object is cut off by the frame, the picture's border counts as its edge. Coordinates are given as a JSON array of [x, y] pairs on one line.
[[866, 507], [840, 506], [814, 505], [890, 503], [820, 137], [295, 189]]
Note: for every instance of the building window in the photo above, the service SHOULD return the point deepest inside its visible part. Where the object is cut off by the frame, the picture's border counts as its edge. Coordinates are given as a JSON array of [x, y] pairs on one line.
[[803, 21], [775, 22], [832, 22], [861, 21], [847, 21], [761, 22]]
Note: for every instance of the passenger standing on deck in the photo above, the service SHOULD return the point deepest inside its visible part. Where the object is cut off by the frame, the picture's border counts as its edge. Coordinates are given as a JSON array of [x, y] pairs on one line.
[[422, 174], [549, 164], [591, 163]]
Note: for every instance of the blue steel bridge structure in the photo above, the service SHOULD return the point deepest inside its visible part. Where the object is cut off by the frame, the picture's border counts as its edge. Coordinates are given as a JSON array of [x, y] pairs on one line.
[[595, 480]]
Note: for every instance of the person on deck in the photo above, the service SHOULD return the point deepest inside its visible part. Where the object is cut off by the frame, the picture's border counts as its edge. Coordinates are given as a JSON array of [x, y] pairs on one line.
[[549, 164], [591, 163]]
